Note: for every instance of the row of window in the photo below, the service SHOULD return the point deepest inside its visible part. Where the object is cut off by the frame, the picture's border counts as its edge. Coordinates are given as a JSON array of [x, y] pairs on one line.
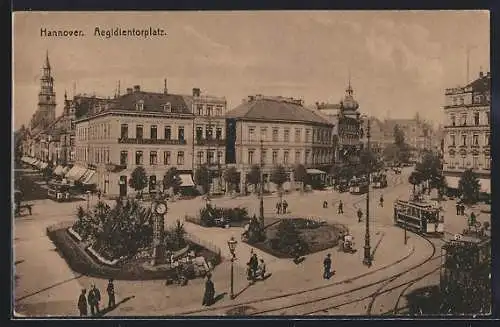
[[153, 158], [153, 132], [318, 135], [321, 156], [94, 156], [209, 110], [210, 157], [477, 99], [477, 120], [463, 162], [209, 131], [475, 140], [94, 132]]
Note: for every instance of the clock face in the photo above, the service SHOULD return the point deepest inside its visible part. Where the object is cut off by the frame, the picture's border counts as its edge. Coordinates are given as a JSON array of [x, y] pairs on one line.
[[161, 208]]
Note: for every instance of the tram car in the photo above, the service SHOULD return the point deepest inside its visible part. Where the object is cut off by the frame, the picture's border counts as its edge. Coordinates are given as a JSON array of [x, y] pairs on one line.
[[379, 181], [342, 186], [358, 186], [419, 217], [465, 282]]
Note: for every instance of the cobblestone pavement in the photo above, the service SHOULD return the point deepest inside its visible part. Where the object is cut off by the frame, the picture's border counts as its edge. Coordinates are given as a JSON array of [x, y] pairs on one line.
[[46, 286]]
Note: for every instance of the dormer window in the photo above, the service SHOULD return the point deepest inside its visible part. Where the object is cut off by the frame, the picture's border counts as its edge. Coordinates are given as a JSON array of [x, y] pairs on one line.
[[167, 107], [139, 106]]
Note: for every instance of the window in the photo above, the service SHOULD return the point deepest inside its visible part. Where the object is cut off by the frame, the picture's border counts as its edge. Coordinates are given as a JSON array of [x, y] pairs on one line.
[[475, 139], [153, 158], [464, 140], [219, 157], [124, 131], [154, 132], [476, 118], [199, 132], [463, 120], [180, 158], [218, 133], [168, 133], [308, 135], [285, 157], [208, 132], [453, 120], [211, 157], [286, 136], [308, 156], [452, 140], [138, 132], [263, 155], [166, 158], [138, 157], [488, 118], [461, 100], [250, 157], [275, 135], [180, 137], [251, 133], [167, 107], [199, 109], [297, 156], [263, 133], [275, 157], [487, 161], [199, 157], [297, 135], [475, 162], [209, 110], [139, 105], [487, 139], [218, 111]]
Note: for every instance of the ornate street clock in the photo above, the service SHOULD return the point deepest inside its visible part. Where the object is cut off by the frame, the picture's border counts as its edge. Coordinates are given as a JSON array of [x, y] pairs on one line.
[[161, 208]]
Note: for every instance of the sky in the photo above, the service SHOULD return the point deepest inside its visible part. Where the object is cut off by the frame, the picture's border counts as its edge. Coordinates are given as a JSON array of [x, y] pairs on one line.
[[399, 62]]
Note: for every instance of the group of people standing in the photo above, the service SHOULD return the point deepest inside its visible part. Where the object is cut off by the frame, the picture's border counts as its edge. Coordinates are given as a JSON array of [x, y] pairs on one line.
[[93, 298], [281, 207], [256, 268]]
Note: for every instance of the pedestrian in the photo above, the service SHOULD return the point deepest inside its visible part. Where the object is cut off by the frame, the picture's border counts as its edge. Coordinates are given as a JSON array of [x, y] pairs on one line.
[[82, 303], [462, 209], [325, 204], [341, 208], [261, 269], [285, 206], [99, 195], [381, 202], [253, 265], [327, 265], [472, 220], [457, 206], [111, 294], [360, 215], [278, 207], [209, 296], [93, 298]]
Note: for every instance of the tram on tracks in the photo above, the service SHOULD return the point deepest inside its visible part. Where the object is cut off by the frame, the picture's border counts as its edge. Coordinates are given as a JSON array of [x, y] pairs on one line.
[[420, 217], [358, 186], [379, 180], [465, 277]]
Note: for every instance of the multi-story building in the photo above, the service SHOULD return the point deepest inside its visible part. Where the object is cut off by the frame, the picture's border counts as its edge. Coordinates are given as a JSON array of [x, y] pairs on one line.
[[209, 128], [290, 134], [152, 130], [467, 138], [348, 129]]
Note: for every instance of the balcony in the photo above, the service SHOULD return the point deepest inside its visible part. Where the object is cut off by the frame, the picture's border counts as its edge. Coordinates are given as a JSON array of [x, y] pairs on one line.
[[213, 142], [151, 141]]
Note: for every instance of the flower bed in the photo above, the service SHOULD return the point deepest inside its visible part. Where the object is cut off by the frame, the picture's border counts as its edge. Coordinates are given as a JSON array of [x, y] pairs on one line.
[[101, 259]]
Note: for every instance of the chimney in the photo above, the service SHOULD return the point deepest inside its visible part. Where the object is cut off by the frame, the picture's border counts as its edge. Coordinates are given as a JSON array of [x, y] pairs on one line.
[[129, 90], [196, 92], [137, 88], [165, 90], [481, 74]]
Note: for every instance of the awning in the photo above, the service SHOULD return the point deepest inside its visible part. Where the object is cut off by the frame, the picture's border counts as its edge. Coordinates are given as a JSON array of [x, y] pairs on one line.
[[485, 185], [452, 181], [58, 170], [85, 179], [75, 173], [186, 180], [315, 171]]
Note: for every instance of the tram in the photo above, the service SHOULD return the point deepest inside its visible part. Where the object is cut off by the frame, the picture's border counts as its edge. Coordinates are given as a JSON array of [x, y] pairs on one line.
[[465, 282], [379, 180], [420, 217], [358, 186]]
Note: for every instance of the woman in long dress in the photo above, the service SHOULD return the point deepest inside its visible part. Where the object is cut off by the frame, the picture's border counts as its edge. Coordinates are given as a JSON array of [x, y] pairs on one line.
[[208, 298]]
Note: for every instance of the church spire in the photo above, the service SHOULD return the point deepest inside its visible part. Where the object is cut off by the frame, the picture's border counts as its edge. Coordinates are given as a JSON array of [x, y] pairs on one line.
[[47, 62], [349, 90]]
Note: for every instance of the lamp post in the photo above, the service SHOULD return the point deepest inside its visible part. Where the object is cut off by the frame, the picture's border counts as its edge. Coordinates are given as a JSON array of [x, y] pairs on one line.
[[367, 260], [261, 186], [232, 248], [88, 200]]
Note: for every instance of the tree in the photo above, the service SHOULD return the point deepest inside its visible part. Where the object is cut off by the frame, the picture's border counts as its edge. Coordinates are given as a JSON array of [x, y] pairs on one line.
[[172, 180], [403, 148], [391, 153], [253, 176], [368, 160], [300, 175], [287, 237], [431, 169], [202, 178], [279, 176], [414, 179], [232, 177], [469, 186], [176, 235], [138, 179]]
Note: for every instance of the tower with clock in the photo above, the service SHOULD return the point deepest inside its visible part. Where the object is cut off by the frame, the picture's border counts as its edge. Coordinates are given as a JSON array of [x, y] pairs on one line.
[[159, 211]]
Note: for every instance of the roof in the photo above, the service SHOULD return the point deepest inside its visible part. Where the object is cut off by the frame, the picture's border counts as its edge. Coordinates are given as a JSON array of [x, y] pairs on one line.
[[275, 108], [153, 102], [482, 84]]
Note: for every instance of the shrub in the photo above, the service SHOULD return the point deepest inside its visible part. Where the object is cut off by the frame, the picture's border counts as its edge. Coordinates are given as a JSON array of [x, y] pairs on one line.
[[287, 238]]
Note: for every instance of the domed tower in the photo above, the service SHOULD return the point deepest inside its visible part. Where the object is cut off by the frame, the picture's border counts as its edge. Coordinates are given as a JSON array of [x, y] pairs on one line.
[[349, 106]]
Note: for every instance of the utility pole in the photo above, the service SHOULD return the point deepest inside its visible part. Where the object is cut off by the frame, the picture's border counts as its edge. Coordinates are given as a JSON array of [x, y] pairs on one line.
[[261, 193], [367, 260]]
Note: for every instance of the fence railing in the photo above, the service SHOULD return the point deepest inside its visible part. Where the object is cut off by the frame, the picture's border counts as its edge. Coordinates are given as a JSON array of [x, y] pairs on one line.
[[207, 245]]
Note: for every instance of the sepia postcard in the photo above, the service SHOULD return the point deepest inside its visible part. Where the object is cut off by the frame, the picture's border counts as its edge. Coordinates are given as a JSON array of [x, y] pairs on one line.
[[251, 163]]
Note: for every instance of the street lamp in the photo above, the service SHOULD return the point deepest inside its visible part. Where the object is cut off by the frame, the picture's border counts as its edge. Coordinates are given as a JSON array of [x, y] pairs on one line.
[[232, 248], [88, 201], [367, 260], [261, 193]]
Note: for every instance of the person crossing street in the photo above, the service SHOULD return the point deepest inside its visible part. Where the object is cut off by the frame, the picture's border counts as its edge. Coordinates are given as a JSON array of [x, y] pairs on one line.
[[381, 201], [82, 304], [340, 208], [327, 265], [360, 215], [93, 298]]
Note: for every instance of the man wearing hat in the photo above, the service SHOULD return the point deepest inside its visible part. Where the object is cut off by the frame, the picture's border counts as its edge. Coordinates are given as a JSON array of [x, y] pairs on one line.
[[82, 303], [111, 293], [93, 299]]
